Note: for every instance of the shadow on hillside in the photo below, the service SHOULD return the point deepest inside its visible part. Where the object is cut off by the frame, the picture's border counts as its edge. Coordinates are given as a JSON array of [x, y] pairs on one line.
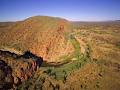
[[27, 55]]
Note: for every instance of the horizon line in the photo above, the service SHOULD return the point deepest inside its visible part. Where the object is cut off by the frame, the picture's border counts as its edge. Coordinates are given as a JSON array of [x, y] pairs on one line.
[[71, 20]]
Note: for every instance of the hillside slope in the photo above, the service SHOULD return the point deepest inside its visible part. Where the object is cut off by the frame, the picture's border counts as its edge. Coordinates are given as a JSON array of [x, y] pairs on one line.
[[42, 35]]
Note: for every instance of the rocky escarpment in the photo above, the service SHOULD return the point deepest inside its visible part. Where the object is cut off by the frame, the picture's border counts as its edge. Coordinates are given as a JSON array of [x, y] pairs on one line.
[[14, 69], [6, 78]]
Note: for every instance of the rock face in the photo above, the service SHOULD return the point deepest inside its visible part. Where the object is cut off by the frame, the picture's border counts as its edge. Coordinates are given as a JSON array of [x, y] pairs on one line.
[[29, 55], [14, 69], [6, 78]]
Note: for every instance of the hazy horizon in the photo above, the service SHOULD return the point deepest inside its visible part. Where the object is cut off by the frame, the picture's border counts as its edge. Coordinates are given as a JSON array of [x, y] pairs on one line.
[[72, 10]]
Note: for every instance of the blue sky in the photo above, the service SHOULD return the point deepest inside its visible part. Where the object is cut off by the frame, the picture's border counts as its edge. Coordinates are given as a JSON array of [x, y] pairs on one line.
[[76, 10]]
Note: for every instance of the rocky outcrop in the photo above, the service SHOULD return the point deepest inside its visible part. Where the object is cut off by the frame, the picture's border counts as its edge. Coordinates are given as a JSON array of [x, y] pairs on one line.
[[6, 78], [15, 69], [29, 55]]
